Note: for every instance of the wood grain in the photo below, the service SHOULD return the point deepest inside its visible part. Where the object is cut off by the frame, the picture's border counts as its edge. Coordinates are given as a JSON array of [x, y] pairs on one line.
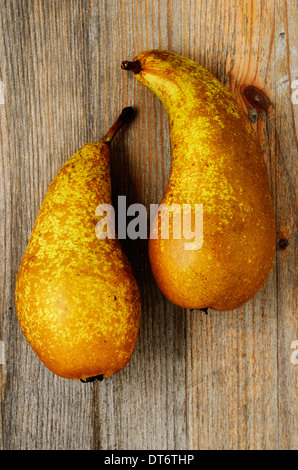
[[222, 381]]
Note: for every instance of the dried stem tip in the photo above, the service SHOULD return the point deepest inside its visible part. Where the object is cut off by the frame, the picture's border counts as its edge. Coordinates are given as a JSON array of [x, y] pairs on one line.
[[257, 98], [93, 379], [125, 116], [134, 67]]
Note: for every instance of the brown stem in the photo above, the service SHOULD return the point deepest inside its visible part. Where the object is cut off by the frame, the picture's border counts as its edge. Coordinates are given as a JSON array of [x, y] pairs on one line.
[[93, 379], [125, 116], [134, 67]]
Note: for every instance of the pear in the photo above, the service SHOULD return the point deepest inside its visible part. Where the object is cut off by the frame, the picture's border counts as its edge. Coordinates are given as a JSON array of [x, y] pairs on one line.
[[216, 163], [78, 303]]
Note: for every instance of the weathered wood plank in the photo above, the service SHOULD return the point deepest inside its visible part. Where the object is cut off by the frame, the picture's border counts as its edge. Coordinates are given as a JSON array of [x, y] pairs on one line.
[[144, 405], [232, 364]]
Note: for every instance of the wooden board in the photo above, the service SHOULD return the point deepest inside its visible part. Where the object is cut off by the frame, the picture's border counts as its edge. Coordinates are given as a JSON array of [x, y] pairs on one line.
[[222, 381]]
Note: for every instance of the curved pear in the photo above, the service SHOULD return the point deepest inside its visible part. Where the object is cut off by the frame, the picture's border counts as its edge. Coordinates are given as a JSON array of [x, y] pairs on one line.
[[216, 162], [77, 301]]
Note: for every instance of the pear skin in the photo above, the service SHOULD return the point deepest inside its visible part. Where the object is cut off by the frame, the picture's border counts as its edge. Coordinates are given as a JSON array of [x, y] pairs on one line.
[[216, 162], [78, 303]]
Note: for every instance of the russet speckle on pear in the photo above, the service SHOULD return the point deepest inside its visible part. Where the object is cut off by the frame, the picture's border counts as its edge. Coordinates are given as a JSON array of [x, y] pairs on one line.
[[77, 300], [217, 162]]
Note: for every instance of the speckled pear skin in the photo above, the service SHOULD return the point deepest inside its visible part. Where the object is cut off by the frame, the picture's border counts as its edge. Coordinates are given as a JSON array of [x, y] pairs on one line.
[[77, 300], [217, 162]]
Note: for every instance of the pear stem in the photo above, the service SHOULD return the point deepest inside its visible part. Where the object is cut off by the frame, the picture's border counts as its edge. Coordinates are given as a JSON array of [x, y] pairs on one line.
[[134, 67], [125, 116]]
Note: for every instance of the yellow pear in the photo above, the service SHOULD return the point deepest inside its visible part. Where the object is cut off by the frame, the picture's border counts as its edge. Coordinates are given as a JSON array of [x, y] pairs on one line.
[[77, 301], [216, 163]]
